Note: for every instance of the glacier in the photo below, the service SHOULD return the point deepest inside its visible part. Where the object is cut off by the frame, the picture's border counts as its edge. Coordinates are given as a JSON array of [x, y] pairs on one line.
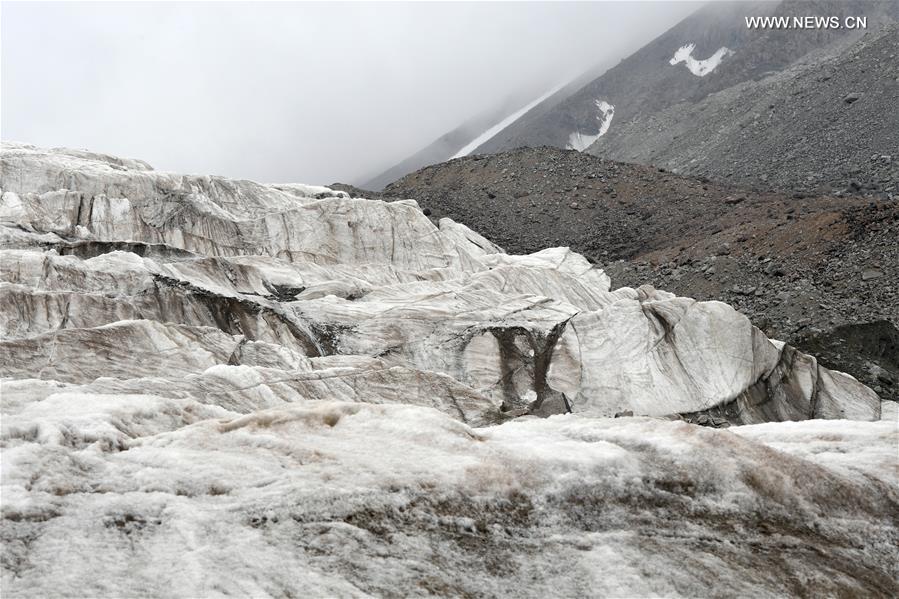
[[217, 387]]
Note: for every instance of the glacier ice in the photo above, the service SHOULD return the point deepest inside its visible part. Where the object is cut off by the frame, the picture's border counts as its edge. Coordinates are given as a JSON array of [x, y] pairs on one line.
[[215, 387]]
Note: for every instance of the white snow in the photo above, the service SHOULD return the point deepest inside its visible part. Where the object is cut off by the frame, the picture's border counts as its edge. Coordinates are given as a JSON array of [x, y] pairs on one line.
[[492, 131], [581, 141], [700, 68]]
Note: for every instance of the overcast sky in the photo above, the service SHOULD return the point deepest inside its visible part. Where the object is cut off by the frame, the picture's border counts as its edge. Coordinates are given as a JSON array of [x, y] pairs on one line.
[[301, 92]]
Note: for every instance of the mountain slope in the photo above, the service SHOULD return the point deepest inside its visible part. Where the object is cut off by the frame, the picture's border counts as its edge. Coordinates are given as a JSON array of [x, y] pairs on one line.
[[468, 137], [827, 123], [710, 51], [647, 81], [441, 148]]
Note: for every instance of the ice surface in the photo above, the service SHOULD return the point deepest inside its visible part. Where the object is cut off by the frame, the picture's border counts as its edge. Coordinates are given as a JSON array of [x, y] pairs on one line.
[[145, 496]]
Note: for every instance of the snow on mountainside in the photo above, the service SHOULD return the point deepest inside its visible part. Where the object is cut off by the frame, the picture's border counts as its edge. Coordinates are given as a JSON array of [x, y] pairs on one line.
[[580, 142], [700, 68], [489, 133], [826, 124], [666, 73], [483, 127], [651, 83], [196, 371], [447, 144]]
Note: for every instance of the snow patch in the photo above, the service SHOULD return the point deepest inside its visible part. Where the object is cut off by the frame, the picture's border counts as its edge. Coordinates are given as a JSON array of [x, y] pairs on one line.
[[492, 131], [580, 141], [700, 68]]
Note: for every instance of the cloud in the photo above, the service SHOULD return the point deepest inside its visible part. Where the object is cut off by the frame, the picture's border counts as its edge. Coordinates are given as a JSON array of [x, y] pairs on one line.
[[292, 91]]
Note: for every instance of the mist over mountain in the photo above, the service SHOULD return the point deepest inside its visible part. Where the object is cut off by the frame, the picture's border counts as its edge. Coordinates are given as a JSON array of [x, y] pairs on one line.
[[465, 138], [676, 102], [281, 91]]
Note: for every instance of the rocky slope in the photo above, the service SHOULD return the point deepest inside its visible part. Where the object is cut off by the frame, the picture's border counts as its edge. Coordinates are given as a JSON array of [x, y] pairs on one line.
[[827, 124], [219, 387], [802, 269], [444, 147], [774, 108], [804, 110]]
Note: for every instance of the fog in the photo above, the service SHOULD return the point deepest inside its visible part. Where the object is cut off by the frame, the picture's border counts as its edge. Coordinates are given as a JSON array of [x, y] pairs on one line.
[[301, 92]]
